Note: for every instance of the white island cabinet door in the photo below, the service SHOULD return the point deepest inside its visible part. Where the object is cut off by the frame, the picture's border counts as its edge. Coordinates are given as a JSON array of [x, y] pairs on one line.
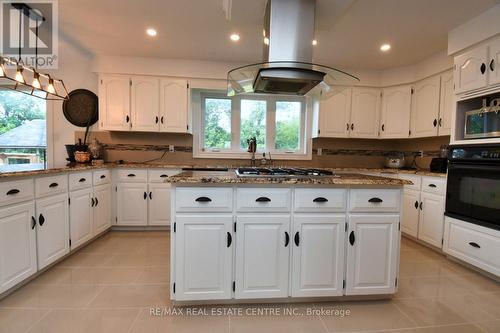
[[52, 229], [262, 256], [372, 254], [131, 204], [17, 244], [409, 218], [431, 223], [203, 257], [81, 216], [318, 255], [102, 208]]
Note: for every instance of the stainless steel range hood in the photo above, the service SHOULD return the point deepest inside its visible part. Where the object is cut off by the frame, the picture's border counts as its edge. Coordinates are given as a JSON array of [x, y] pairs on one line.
[[287, 66]]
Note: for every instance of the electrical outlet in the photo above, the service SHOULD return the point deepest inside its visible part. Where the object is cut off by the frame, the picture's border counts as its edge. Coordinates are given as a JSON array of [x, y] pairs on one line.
[[171, 148], [420, 153], [320, 151]]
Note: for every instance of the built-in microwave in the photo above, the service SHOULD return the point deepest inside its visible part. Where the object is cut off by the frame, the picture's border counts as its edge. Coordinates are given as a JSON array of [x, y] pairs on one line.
[[483, 122]]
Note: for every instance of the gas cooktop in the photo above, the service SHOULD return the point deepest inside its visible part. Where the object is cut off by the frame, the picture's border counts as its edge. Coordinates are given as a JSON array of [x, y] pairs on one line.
[[282, 172]]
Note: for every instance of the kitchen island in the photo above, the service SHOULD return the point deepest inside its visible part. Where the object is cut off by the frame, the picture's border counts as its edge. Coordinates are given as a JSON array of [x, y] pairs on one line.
[[245, 239]]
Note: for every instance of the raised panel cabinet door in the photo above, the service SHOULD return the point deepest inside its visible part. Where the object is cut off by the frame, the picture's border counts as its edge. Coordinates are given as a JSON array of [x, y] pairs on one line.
[[409, 217], [425, 108], [372, 254], [396, 108], [131, 204], [318, 244], [365, 113], [447, 103], [52, 218], [203, 257], [159, 204], [114, 103], [145, 104], [81, 213], [17, 244], [431, 222], [102, 208], [471, 70], [494, 62], [262, 256], [334, 115], [174, 106]]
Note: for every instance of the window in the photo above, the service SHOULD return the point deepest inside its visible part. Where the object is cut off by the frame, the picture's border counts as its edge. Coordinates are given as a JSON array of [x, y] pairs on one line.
[[23, 137], [224, 126]]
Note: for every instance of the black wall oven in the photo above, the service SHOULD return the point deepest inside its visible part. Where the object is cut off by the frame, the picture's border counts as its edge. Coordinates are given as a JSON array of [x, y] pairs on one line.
[[473, 189]]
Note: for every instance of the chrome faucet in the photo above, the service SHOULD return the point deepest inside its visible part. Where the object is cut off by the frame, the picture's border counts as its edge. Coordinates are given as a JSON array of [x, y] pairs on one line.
[[252, 148]]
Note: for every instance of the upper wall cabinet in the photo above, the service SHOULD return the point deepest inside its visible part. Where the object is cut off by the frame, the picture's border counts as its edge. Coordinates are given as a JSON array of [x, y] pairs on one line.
[[334, 115], [173, 106], [396, 107], [446, 103], [114, 103], [145, 104], [494, 58], [365, 112], [425, 108]]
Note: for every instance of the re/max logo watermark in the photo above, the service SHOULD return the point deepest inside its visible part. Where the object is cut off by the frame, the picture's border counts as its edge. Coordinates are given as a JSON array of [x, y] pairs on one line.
[[20, 23]]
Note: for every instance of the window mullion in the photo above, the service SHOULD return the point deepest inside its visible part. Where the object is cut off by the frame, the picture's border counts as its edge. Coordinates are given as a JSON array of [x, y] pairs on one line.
[[235, 124], [271, 124]]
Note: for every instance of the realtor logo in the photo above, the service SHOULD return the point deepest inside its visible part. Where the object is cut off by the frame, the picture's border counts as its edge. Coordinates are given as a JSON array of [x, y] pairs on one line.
[[30, 28]]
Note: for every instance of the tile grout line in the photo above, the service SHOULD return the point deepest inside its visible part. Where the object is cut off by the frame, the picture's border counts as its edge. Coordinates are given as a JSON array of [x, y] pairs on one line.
[[405, 314], [39, 320], [93, 298], [135, 319]]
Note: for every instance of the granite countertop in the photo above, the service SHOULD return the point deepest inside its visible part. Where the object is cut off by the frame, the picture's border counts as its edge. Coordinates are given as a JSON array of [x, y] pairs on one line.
[[420, 172], [229, 177]]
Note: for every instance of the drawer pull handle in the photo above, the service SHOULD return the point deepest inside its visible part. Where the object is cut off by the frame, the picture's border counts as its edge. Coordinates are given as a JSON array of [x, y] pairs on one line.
[[131, 175], [82, 180], [416, 204], [352, 238], [41, 220], [150, 195], [432, 185], [296, 239], [375, 200], [33, 222], [163, 176], [421, 205], [483, 68], [53, 185], [103, 176], [320, 199], [203, 199], [145, 195], [13, 191], [229, 239], [263, 199], [474, 244], [92, 202], [96, 202], [287, 238]]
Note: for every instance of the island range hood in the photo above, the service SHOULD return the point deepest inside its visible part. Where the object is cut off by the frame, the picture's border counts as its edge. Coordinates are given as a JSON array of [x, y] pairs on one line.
[[287, 69]]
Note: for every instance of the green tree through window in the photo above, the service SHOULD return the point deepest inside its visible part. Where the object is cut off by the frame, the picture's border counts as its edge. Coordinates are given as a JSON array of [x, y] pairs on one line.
[[217, 118], [253, 122]]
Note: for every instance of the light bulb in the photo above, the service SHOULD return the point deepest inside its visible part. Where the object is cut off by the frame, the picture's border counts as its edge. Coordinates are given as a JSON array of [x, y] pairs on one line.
[[19, 75], [2, 69], [50, 87], [36, 81], [314, 42], [235, 37]]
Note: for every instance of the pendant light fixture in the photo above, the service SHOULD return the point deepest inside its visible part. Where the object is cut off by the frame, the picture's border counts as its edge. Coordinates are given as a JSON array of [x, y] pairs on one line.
[[14, 75]]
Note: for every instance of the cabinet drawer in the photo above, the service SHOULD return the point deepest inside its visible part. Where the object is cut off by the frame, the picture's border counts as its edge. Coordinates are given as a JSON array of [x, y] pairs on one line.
[[80, 180], [132, 175], [375, 200], [204, 199], [51, 185], [101, 177], [16, 191], [160, 175], [263, 199], [474, 244], [434, 185], [416, 180], [320, 200]]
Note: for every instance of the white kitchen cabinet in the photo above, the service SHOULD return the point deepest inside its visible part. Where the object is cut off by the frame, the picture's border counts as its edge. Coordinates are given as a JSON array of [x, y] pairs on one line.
[[334, 115], [494, 62], [262, 256], [410, 215], [17, 244], [396, 108], [145, 104], [430, 226], [173, 106], [318, 255], [203, 257], [372, 254], [52, 229], [447, 103], [471, 70], [159, 204], [81, 216], [365, 112], [114, 103], [131, 204], [102, 209], [425, 108]]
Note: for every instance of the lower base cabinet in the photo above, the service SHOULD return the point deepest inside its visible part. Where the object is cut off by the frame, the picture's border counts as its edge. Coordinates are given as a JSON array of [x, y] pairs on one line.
[[159, 205], [431, 221], [203, 257], [17, 244], [372, 254], [102, 209], [410, 214], [81, 216], [318, 255], [132, 204]]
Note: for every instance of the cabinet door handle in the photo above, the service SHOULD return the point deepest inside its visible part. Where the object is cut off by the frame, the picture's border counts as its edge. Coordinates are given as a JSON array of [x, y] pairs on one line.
[[474, 244], [263, 199], [440, 122], [203, 199], [483, 68], [229, 239], [492, 65], [352, 127], [383, 127], [163, 176], [416, 204], [375, 200], [347, 126], [435, 122], [287, 238], [156, 120], [150, 195], [320, 199], [41, 220], [421, 205], [96, 202], [82, 180], [296, 239], [145, 195], [103, 176], [127, 119], [131, 175], [92, 202], [432, 185], [13, 191], [352, 238], [53, 185], [33, 222], [161, 120]]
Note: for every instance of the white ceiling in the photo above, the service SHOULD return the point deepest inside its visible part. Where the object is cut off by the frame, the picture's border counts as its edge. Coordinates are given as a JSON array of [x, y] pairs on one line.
[[349, 32]]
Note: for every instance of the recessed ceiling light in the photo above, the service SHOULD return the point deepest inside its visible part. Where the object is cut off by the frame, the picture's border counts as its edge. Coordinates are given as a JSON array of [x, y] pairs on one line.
[[235, 37], [385, 47], [151, 32], [315, 42]]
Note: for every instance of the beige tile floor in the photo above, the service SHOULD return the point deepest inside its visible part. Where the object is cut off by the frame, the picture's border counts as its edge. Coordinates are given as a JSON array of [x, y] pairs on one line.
[[112, 284]]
